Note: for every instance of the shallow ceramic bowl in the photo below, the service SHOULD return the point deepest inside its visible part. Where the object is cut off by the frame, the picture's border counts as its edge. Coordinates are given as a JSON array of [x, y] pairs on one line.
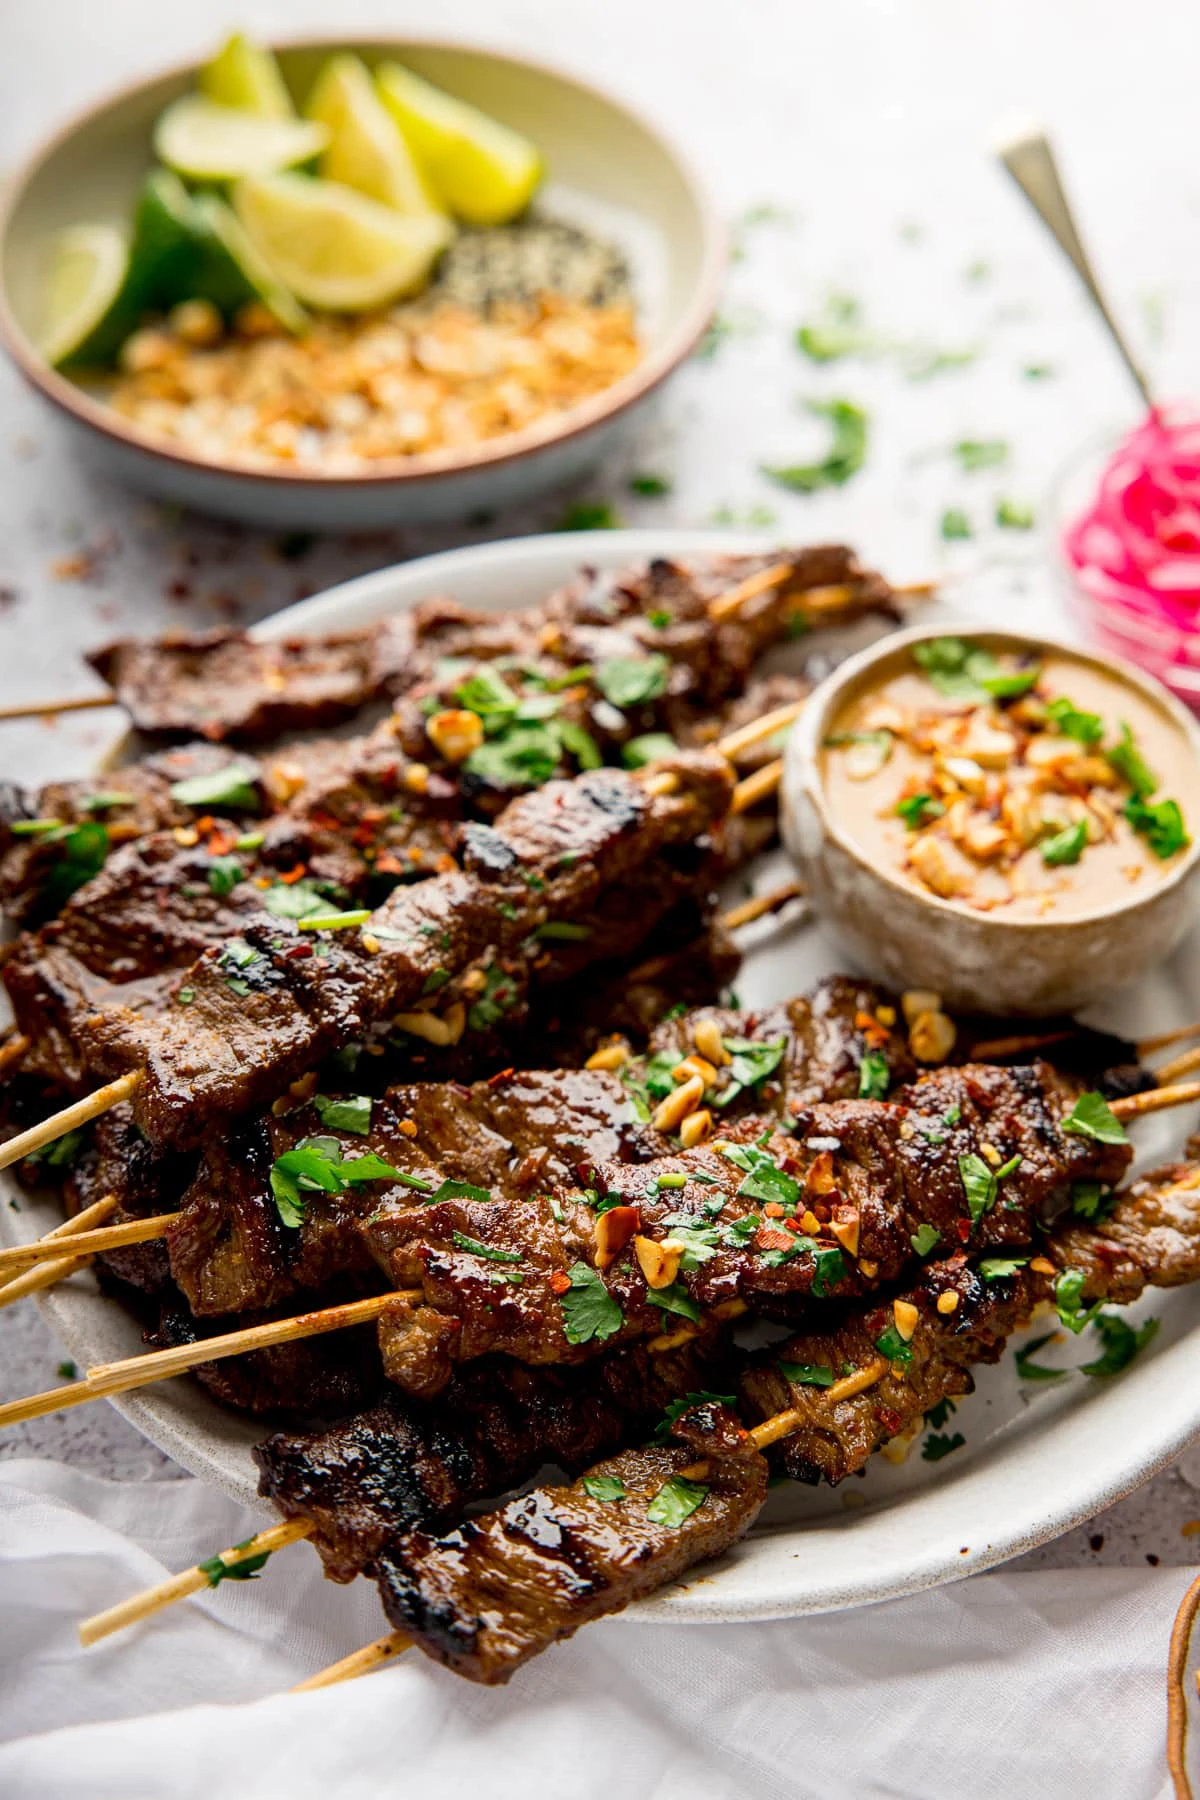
[[608, 172], [977, 961]]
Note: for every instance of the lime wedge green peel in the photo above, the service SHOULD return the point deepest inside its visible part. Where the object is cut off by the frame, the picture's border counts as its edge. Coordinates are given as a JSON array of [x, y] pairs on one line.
[[245, 76], [334, 248], [233, 271], [84, 295], [204, 142], [482, 171]]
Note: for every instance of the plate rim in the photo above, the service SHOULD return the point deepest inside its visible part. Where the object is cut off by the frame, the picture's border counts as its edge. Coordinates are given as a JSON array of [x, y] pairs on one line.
[[1146, 1429]]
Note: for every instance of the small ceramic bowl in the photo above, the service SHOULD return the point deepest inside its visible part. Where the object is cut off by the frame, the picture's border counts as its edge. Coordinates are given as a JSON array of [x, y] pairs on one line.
[[608, 171], [978, 961]]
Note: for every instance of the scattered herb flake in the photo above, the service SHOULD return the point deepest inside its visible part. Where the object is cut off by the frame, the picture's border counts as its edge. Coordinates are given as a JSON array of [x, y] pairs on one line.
[[1092, 1116], [874, 1076], [1028, 1370], [350, 1112], [1121, 1343], [608, 1488], [937, 1445], [676, 1501], [925, 1239], [844, 458], [589, 1310], [955, 524]]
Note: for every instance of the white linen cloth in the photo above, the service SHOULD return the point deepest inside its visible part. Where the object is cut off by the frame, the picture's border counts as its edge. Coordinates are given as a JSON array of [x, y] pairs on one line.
[[1047, 1684]]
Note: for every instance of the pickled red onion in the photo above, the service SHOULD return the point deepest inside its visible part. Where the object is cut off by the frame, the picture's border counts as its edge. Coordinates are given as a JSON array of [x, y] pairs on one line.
[[1138, 543]]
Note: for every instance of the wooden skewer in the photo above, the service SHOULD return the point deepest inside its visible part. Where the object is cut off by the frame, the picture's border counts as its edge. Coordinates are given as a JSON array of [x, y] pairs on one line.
[[992, 1049], [46, 1275], [726, 604], [384, 1649], [749, 910], [1156, 1100], [360, 1662], [191, 1581], [1179, 1065], [81, 1223], [747, 736], [13, 1051], [90, 1243], [44, 709], [157, 1365], [59, 1123], [754, 788], [1166, 1038], [1177, 1662]]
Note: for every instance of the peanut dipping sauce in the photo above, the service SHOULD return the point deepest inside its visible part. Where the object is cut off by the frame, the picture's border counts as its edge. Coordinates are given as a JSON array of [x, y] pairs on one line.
[[1008, 782]]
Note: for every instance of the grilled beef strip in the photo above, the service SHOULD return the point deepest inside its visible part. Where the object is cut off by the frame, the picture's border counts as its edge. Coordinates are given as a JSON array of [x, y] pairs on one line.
[[763, 1220], [255, 1023], [1150, 1238], [226, 685], [405, 1464], [485, 1597]]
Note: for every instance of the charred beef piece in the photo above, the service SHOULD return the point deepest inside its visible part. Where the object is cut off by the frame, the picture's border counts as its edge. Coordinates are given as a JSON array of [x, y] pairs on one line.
[[37, 871], [744, 1216], [294, 1002], [513, 1134], [403, 1464], [300, 1385], [822, 1037], [226, 685], [486, 1597]]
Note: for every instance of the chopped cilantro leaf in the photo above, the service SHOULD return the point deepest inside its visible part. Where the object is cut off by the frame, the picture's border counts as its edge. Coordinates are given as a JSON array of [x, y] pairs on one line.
[[1129, 763], [1087, 1198], [674, 1299], [473, 1247], [893, 1346], [649, 486], [1092, 1116], [874, 1076], [925, 1239], [1084, 727], [995, 1268], [1028, 1370], [349, 1112], [217, 1570], [1014, 515], [919, 809], [1121, 1343], [807, 1374], [652, 747], [224, 873], [938, 1414], [936, 1446], [829, 1267], [589, 515], [627, 681], [845, 456], [604, 1487], [675, 1409], [752, 1063], [1161, 825], [676, 1501], [1068, 1298], [981, 453], [955, 524], [232, 786], [1066, 846], [590, 1312], [979, 1185]]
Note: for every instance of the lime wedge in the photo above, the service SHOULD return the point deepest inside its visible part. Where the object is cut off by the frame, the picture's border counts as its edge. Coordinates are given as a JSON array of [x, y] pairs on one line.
[[163, 256], [333, 247], [231, 270], [86, 314], [204, 142], [246, 76], [367, 149], [480, 169]]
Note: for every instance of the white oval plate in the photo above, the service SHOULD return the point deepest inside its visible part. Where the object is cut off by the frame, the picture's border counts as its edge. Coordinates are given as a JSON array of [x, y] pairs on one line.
[[1036, 1461]]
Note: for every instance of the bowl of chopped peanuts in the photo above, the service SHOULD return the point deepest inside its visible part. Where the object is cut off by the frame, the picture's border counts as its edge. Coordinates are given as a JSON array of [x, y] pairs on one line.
[[355, 284], [1005, 821]]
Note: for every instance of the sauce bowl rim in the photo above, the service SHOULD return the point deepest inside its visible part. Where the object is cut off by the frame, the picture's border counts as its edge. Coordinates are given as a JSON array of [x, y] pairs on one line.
[[802, 771]]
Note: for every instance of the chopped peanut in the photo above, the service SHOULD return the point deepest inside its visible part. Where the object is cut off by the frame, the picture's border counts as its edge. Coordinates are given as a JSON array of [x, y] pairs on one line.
[[695, 1128], [947, 1303], [932, 1037], [917, 1001], [906, 1317], [820, 1178], [846, 1231], [416, 777], [941, 867], [609, 1056], [614, 1229], [1042, 1265], [454, 734], [671, 1112], [658, 1261], [706, 1035], [694, 1065], [432, 1029], [809, 1223]]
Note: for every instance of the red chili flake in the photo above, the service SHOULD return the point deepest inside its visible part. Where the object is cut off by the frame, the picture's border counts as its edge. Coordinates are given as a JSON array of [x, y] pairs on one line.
[[560, 1281], [299, 952], [499, 1076], [387, 864], [773, 1210], [823, 1212], [362, 835], [963, 1228], [219, 844], [767, 1237], [890, 1418], [293, 875], [875, 1034], [792, 1225]]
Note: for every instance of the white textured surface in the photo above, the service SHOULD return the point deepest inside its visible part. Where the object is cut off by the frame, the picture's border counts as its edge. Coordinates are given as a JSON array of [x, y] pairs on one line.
[[865, 121]]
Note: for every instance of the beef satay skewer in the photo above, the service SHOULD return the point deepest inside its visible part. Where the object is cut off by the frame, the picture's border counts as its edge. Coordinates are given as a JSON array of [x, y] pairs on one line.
[[157, 1365], [654, 784]]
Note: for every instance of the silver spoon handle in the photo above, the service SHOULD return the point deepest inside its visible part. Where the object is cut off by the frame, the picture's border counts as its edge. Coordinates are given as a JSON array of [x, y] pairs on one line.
[[1027, 156]]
